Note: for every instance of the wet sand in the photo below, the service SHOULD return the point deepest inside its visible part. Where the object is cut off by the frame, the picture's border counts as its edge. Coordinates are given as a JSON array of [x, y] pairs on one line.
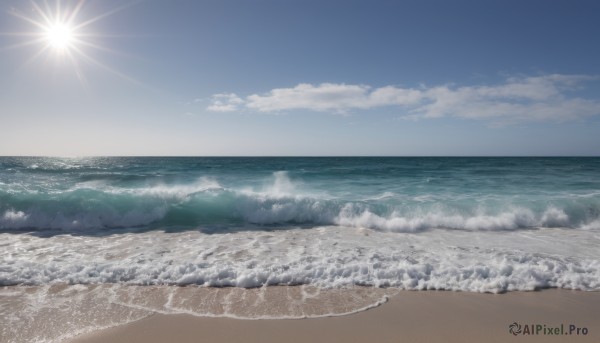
[[408, 316]]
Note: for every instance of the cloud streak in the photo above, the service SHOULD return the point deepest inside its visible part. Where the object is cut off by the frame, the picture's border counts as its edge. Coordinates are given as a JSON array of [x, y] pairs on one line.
[[517, 99]]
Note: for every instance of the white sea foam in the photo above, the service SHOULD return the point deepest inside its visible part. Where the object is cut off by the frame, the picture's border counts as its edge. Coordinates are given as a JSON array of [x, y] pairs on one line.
[[594, 225], [14, 216], [515, 219], [83, 283], [327, 257]]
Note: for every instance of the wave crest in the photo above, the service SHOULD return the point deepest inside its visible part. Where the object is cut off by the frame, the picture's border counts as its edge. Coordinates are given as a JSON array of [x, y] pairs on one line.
[[205, 202]]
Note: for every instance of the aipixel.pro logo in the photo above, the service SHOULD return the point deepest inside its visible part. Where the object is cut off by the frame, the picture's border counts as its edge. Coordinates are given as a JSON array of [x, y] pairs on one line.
[[546, 330]]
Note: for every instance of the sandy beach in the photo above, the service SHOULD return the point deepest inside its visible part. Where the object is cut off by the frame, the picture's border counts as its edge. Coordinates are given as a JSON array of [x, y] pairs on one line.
[[421, 316]]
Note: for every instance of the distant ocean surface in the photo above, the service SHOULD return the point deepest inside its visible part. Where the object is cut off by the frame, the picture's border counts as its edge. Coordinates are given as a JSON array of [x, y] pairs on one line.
[[470, 224]]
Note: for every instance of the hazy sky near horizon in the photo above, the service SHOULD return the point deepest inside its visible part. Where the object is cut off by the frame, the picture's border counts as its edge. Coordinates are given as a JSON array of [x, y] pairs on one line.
[[283, 77]]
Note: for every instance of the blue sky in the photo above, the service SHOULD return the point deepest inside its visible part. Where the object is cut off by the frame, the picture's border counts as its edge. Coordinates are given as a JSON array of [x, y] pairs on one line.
[[289, 77]]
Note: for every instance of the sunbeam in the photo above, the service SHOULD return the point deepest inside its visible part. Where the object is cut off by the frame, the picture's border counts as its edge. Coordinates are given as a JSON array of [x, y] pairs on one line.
[[63, 32]]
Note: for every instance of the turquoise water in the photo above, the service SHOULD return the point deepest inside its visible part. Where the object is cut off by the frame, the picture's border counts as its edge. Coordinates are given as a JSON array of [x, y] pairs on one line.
[[469, 224], [393, 194]]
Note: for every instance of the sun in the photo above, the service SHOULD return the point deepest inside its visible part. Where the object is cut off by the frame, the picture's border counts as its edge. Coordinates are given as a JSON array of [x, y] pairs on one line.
[[63, 32], [59, 28], [62, 27], [60, 36]]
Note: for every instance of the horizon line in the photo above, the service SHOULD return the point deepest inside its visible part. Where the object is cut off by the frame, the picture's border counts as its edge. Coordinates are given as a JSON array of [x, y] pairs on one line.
[[302, 156]]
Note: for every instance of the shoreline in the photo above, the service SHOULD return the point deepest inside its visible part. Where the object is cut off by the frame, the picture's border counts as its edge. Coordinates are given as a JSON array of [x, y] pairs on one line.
[[411, 316]]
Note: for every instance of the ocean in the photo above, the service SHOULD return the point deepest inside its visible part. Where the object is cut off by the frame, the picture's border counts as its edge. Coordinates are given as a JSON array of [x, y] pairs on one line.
[[75, 230]]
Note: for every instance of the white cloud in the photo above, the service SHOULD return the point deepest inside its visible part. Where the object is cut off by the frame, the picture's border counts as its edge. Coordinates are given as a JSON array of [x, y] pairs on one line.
[[324, 97], [518, 99], [332, 97], [225, 102]]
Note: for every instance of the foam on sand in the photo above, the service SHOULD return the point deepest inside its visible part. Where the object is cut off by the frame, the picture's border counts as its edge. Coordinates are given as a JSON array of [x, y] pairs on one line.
[[58, 312]]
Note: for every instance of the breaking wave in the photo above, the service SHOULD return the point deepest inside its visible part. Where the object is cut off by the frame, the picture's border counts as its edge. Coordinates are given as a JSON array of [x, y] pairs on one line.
[[204, 202]]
